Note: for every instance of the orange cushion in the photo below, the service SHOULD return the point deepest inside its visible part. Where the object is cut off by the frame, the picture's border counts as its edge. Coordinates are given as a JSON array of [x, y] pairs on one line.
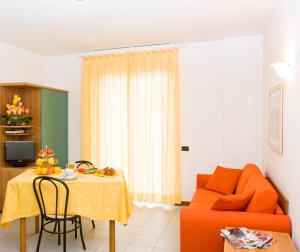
[[265, 197], [234, 202], [247, 172], [223, 180], [205, 196]]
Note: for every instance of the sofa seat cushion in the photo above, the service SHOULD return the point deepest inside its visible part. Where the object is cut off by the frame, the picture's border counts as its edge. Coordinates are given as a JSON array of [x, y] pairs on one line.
[[234, 202], [200, 206], [205, 196], [265, 197], [247, 172], [223, 180]]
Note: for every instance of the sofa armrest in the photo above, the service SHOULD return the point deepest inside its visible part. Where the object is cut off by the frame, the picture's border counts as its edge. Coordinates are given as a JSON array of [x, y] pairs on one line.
[[202, 180], [200, 228]]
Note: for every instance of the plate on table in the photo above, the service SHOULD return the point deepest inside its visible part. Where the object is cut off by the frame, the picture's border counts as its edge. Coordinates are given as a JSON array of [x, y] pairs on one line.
[[69, 178]]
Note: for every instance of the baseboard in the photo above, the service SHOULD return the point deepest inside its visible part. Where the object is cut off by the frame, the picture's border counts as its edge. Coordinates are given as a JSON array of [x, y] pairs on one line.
[[183, 203]]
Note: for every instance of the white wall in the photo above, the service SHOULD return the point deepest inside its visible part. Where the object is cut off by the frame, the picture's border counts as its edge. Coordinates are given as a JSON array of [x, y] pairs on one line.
[[282, 43], [17, 65], [202, 67], [220, 100], [221, 118], [243, 101]]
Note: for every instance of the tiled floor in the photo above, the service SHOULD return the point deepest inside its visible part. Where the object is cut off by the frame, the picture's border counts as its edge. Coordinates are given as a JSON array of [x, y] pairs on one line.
[[149, 230]]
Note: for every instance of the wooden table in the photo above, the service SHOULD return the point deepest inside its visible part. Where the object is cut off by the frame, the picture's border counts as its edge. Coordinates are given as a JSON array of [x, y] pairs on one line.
[[283, 243], [109, 201]]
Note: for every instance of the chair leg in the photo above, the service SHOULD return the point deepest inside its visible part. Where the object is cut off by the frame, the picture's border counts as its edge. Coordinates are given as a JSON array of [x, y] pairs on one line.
[[59, 233], [65, 236], [81, 234], [55, 226], [75, 228], [93, 223], [40, 237]]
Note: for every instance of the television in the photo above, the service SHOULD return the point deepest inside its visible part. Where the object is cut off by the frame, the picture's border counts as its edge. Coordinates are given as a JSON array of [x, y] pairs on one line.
[[19, 153]]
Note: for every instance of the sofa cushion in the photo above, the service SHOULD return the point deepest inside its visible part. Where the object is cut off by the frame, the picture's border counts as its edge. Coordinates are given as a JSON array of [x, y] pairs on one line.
[[234, 202], [223, 180], [205, 196], [247, 172], [265, 197]]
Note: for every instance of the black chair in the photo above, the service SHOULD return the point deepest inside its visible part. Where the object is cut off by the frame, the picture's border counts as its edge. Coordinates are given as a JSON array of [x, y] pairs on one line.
[[55, 218], [85, 162]]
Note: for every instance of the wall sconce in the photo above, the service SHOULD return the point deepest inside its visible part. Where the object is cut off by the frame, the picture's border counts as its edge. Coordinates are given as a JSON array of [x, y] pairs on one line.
[[284, 70]]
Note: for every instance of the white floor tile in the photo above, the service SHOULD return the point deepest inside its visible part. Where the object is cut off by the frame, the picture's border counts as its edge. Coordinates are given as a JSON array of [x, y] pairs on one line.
[[105, 247], [136, 248], [167, 243], [129, 229], [148, 230], [163, 250], [125, 238], [162, 224], [143, 240]]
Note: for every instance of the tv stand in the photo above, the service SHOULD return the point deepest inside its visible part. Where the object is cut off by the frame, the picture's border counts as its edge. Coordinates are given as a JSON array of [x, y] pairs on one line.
[[18, 165]]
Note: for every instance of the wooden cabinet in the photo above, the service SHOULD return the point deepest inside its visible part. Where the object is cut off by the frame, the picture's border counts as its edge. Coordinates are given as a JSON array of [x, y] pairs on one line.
[[6, 174], [49, 109]]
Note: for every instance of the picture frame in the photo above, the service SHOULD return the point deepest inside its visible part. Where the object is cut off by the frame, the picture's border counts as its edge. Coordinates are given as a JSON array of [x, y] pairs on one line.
[[275, 133]]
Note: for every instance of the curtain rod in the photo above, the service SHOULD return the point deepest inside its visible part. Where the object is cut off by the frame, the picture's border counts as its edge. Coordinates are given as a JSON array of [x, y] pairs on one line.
[[131, 48]]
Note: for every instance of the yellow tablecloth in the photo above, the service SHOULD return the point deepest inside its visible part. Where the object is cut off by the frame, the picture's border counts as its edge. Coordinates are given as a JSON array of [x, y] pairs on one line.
[[97, 198]]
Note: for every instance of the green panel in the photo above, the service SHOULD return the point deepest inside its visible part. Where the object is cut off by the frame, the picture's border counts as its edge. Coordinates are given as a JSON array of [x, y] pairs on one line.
[[62, 128], [55, 123]]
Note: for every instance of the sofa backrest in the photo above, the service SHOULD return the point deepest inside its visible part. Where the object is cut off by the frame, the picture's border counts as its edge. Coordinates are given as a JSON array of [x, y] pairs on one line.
[[265, 197], [248, 171]]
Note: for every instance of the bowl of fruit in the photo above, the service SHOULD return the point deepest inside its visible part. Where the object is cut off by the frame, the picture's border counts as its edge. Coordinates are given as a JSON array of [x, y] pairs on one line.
[[42, 170], [46, 163]]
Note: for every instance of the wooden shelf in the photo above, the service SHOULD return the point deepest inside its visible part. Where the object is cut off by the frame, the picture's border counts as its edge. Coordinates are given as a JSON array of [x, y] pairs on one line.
[[20, 134], [16, 127]]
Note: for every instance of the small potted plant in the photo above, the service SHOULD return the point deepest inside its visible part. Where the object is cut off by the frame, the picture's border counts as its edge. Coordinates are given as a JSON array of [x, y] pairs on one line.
[[16, 114]]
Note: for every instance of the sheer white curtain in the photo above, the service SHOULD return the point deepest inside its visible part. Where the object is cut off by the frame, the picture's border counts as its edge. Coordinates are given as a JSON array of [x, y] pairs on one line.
[[131, 120]]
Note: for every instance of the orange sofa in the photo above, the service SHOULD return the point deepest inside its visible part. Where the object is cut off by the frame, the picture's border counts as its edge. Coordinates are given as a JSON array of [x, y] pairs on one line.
[[200, 226]]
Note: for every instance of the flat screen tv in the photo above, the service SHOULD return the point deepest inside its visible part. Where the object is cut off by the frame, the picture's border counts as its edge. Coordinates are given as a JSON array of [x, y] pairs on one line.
[[19, 153]]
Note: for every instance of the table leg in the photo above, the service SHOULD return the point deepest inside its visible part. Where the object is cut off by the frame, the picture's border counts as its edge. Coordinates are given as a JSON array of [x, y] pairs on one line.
[[22, 234], [112, 236], [37, 224]]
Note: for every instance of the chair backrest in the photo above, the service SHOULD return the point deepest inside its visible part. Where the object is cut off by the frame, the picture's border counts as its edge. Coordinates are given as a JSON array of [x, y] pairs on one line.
[[81, 162], [59, 187]]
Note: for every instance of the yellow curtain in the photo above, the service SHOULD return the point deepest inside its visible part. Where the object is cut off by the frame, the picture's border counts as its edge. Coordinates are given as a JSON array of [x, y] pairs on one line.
[[130, 120]]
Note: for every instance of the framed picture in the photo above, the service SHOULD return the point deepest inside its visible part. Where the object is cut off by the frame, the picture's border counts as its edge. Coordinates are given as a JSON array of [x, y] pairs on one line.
[[275, 118]]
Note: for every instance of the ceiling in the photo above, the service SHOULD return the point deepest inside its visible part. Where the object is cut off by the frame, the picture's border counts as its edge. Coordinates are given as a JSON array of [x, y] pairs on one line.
[[52, 27]]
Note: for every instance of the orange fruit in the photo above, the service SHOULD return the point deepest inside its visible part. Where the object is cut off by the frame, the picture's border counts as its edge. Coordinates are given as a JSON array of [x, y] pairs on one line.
[[71, 166], [50, 170], [44, 171]]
